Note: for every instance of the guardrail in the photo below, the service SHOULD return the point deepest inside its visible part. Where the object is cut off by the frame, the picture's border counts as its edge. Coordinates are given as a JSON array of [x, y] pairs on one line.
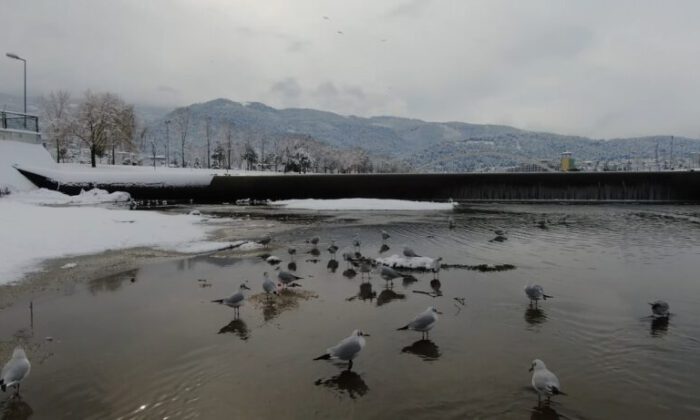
[[17, 121]]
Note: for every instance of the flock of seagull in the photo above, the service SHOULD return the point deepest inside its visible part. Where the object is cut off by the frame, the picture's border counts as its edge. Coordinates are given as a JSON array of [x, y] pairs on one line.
[[545, 382]]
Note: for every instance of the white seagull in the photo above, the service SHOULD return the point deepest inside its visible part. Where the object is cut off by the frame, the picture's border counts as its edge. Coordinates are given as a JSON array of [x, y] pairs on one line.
[[15, 370], [424, 322], [437, 265], [535, 292], [285, 277], [347, 349], [408, 252], [389, 274], [268, 285], [385, 235], [236, 300], [545, 382]]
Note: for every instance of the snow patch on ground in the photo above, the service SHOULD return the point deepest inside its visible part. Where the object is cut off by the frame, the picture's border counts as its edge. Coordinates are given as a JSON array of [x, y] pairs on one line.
[[49, 197], [32, 234], [399, 261], [211, 246], [19, 153], [362, 204], [69, 265]]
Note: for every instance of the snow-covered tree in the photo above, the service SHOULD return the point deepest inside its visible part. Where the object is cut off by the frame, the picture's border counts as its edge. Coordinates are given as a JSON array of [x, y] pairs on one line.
[[56, 114], [182, 120]]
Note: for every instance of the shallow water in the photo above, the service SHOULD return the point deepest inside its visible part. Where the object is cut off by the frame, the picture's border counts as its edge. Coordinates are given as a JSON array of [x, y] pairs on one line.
[[150, 344]]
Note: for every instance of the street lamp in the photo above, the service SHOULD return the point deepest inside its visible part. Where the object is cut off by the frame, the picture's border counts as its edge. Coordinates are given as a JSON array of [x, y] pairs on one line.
[[16, 57], [167, 143]]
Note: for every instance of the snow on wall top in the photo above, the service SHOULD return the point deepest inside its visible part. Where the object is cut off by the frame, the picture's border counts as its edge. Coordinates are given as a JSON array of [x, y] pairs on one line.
[[19, 153]]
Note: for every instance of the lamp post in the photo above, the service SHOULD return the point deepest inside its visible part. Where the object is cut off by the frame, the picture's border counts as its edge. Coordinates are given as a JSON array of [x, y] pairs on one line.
[[16, 57], [167, 143]]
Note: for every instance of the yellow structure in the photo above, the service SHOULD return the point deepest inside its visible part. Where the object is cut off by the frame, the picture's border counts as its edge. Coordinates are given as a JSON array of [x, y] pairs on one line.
[[567, 162]]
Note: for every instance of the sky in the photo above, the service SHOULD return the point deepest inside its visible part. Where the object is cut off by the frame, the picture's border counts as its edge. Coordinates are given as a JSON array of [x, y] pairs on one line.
[[595, 68]]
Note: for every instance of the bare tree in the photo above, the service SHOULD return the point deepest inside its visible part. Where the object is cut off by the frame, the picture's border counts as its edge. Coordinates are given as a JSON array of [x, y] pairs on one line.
[[101, 116], [229, 136], [124, 130], [56, 112], [183, 124], [207, 131]]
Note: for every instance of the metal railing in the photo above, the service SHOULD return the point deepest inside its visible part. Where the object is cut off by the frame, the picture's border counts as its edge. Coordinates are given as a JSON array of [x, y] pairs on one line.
[[17, 121]]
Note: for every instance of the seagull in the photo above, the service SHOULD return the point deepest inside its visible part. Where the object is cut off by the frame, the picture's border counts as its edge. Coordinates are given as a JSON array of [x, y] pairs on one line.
[[236, 300], [389, 274], [265, 241], [437, 265], [408, 252], [340, 32], [659, 308], [500, 232], [314, 240], [365, 268], [286, 277], [333, 248], [545, 382], [15, 370], [326, 17], [356, 242], [347, 349], [424, 322], [292, 251], [535, 292], [451, 222], [385, 235], [268, 285]]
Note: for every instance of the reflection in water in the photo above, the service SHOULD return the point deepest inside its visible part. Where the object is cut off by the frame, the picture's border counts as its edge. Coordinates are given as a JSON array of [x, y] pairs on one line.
[[424, 349], [286, 299], [332, 265], [436, 285], [544, 412], [387, 295], [270, 309], [384, 248], [315, 252], [535, 315], [15, 409], [350, 273], [292, 266], [346, 382], [238, 327], [659, 326], [366, 293]]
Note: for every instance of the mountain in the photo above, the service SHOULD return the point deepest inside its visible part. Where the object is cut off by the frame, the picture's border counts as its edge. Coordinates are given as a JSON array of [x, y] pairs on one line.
[[425, 146]]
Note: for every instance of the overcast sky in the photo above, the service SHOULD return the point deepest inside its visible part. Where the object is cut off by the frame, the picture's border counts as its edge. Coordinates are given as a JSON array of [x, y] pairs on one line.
[[596, 68]]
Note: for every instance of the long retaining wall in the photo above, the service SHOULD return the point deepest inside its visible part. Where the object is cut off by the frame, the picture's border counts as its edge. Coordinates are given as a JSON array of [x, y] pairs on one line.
[[574, 186]]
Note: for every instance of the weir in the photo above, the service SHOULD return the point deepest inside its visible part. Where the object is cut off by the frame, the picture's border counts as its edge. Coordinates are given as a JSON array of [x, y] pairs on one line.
[[507, 187]]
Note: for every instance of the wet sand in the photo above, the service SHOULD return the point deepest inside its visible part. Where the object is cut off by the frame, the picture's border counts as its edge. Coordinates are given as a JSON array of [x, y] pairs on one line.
[[148, 342]]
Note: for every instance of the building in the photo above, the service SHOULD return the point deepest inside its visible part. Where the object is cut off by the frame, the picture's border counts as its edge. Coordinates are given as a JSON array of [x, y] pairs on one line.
[[567, 162]]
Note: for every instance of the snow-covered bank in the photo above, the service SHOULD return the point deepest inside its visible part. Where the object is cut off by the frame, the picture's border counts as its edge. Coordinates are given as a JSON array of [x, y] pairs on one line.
[[414, 263], [44, 196], [362, 204], [18, 153], [34, 233]]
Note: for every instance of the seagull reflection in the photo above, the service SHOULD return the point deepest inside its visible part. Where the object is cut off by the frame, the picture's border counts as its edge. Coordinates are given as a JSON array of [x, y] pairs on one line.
[[349, 273], [535, 315], [347, 382], [292, 266], [659, 326], [15, 408], [332, 265], [387, 295], [408, 280], [384, 248], [238, 327], [544, 412], [425, 349], [270, 310], [366, 293], [315, 252], [436, 285]]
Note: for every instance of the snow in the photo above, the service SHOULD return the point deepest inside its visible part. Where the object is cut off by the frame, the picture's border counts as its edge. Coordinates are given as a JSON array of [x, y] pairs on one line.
[[273, 260], [19, 153], [69, 265], [211, 246], [49, 197], [34, 233], [362, 204], [400, 261]]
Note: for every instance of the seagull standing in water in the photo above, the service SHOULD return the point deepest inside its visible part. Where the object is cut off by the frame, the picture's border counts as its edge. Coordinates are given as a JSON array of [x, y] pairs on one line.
[[268, 285], [347, 349], [236, 300], [265, 241], [545, 382], [659, 309], [385, 236], [535, 293], [285, 277], [437, 265], [408, 252], [451, 222], [356, 242], [333, 248], [15, 370], [389, 274], [424, 322]]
